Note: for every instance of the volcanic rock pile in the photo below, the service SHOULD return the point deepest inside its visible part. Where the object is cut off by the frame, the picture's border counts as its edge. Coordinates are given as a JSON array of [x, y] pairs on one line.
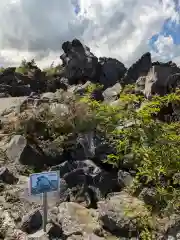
[[93, 197]]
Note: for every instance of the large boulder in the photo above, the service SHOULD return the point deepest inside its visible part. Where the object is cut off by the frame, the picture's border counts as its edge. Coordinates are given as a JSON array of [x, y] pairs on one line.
[[112, 71], [75, 219], [139, 68], [112, 93], [81, 65], [6, 176], [19, 151], [17, 84], [15, 91], [37, 79], [160, 79], [85, 182], [79, 62], [32, 221], [121, 214], [173, 82]]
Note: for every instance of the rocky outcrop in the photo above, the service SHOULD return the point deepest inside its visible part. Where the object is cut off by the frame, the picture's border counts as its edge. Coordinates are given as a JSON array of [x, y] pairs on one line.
[[76, 219], [81, 65], [79, 62], [161, 79], [121, 213], [140, 68], [85, 182], [173, 82], [111, 72]]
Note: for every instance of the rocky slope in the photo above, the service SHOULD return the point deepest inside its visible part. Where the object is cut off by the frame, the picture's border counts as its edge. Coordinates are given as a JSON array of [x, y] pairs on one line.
[[62, 121]]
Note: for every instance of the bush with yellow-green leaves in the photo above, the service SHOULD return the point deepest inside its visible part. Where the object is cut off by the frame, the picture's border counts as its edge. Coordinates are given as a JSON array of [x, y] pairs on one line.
[[154, 146]]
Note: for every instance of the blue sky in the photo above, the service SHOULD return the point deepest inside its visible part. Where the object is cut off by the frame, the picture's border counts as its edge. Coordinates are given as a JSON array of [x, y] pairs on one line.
[[169, 28]]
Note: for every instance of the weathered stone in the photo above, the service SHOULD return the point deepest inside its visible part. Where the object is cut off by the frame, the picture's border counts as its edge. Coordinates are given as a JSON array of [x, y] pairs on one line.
[[54, 230], [139, 68], [112, 93], [81, 65], [19, 151], [87, 142], [172, 226], [124, 178], [121, 212], [6, 176], [76, 219], [156, 81], [140, 84], [93, 237], [39, 235], [79, 62], [86, 182], [16, 147], [31, 222], [148, 195], [111, 71], [159, 80], [80, 88], [75, 237], [173, 82]]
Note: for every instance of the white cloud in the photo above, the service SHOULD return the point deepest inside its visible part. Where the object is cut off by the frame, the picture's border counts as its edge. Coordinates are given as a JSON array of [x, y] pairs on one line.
[[120, 29], [166, 49]]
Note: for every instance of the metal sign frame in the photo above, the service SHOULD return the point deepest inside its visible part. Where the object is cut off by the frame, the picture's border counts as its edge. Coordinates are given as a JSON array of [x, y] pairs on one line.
[[48, 187]]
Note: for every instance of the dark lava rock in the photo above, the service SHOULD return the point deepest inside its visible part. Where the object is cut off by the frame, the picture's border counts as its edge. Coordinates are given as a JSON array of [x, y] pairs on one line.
[[31, 222], [6, 176]]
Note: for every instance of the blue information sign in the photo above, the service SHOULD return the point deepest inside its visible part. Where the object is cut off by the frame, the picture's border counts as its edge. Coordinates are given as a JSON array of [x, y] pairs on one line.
[[43, 182]]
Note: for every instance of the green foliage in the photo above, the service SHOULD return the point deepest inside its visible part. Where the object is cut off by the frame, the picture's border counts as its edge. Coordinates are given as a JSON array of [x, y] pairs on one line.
[[50, 71], [1, 69], [142, 142], [154, 146], [144, 221], [25, 66]]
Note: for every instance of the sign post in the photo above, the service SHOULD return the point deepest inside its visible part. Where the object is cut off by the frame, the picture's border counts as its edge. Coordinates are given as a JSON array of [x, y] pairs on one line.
[[45, 209], [41, 184]]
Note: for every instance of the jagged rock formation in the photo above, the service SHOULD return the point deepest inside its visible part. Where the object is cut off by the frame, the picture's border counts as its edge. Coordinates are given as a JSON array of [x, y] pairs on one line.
[[140, 68], [80, 65], [78, 61], [173, 82], [159, 80], [111, 71]]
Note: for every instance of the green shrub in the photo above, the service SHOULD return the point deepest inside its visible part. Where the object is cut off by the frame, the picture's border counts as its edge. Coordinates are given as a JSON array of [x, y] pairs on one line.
[[153, 144], [25, 66], [1, 69], [50, 71]]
